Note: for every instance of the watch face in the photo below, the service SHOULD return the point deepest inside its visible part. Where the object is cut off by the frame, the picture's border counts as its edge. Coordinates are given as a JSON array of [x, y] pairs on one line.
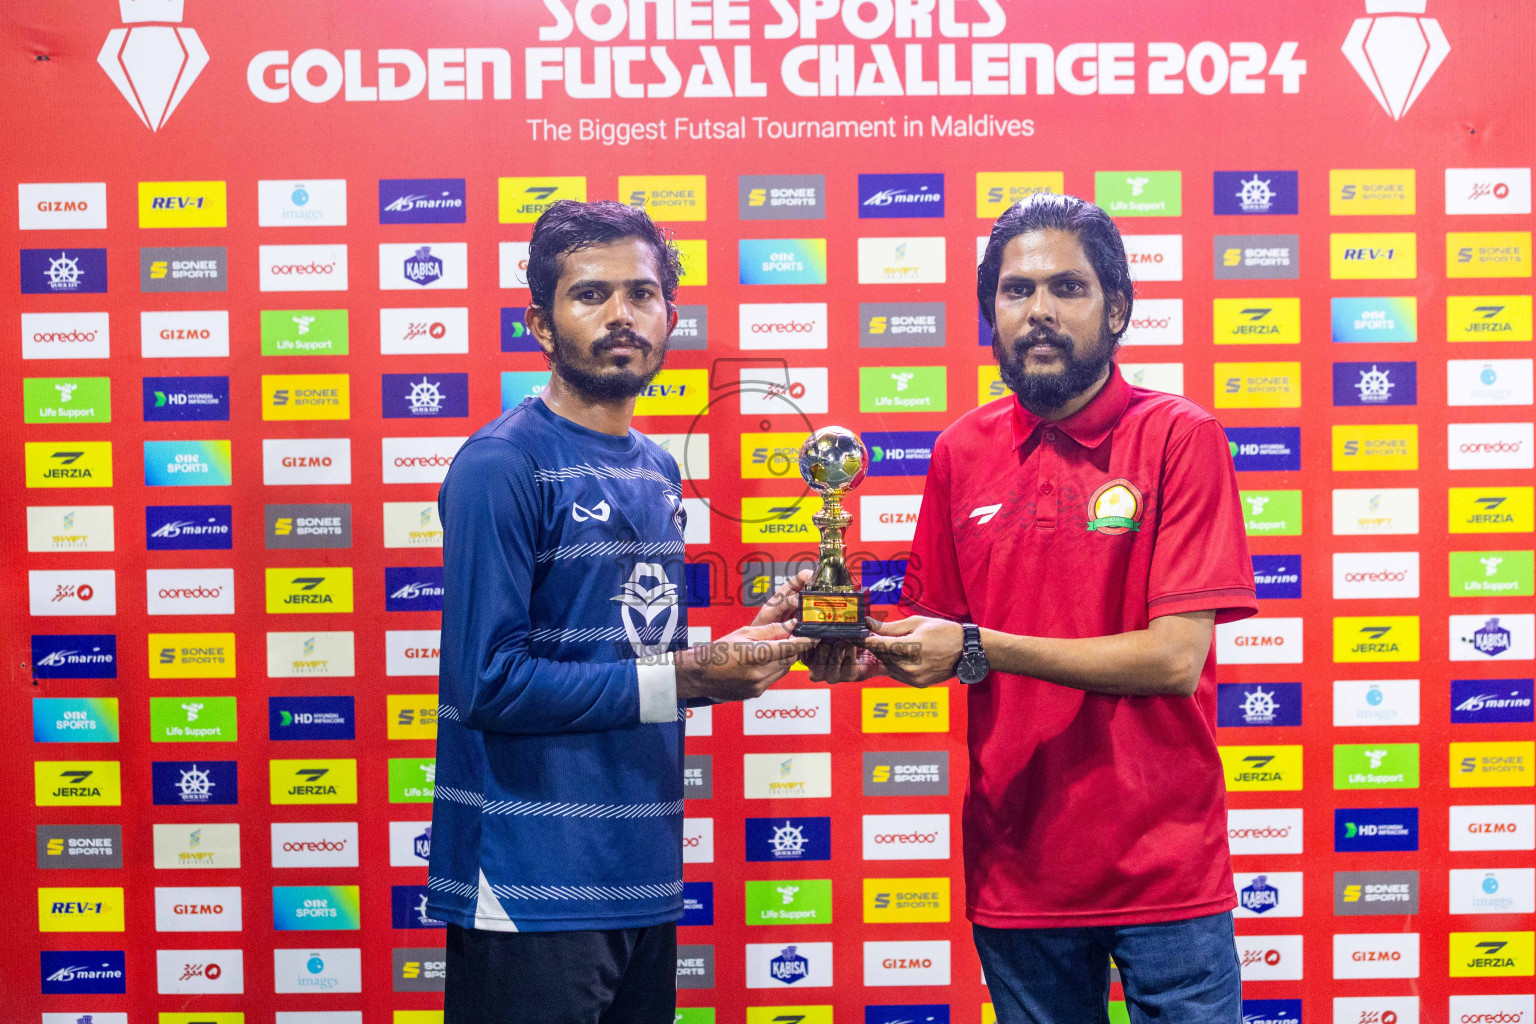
[[973, 668]]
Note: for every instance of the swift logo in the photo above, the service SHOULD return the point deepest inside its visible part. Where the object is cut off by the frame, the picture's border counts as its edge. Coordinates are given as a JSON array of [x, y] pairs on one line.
[[600, 512], [985, 513], [152, 65], [1395, 56]]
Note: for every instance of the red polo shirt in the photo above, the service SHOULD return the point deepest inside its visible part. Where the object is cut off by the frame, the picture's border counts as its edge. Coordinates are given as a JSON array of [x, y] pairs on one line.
[[1086, 809]]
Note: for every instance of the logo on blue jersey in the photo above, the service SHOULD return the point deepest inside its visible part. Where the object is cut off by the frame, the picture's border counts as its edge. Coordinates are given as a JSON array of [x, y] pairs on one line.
[[1259, 896], [696, 584], [1265, 449], [900, 452], [1255, 193], [919, 1013], [1378, 383], [698, 903], [1244, 704], [789, 839], [1375, 319], [515, 335], [194, 783], [1277, 576], [84, 972], [1271, 1011], [421, 201], [74, 656], [63, 272], [425, 396], [408, 908], [311, 718], [1375, 829], [901, 195], [884, 579], [185, 398], [1490, 700], [188, 527], [413, 588]]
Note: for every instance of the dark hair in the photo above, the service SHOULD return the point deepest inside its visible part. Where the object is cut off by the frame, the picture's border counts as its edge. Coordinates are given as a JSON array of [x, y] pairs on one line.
[[568, 225], [1095, 232]]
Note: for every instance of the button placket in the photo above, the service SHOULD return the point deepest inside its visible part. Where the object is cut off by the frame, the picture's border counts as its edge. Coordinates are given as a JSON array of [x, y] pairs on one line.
[[1049, 489]]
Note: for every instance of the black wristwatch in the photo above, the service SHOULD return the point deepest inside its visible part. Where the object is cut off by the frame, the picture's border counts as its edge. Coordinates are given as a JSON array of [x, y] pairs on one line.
[[973, 665]]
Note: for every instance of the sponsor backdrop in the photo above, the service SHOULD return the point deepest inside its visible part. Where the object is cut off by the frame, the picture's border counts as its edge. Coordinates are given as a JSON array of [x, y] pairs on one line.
[[267, 270]]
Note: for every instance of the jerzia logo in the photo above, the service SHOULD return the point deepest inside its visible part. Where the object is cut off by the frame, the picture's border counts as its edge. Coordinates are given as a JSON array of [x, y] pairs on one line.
[[153, 62], [1395, 55]]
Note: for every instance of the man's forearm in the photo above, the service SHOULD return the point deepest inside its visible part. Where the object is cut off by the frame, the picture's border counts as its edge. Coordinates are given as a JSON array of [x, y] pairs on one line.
[[1126, 664]]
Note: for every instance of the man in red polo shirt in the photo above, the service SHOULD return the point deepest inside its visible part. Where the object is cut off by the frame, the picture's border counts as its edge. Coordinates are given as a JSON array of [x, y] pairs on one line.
[[1092, 533]]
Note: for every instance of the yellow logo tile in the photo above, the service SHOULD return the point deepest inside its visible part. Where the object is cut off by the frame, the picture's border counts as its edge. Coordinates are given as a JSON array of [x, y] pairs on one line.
[[666, 197], [77, 783], [1488, 318], [1365, 446], [1488, 254], [1369, 256], [306, 396], [1257, 321], [1492, 509], [182, 204], [1492, 764], [80, 909], [309, 590], [996, 191], [69, 464], [903, 709], [1258, 385], [1358, 638], [191, 655], [895, 900], [1359, 193], [313, 781], [1256, 768], [524, 200]]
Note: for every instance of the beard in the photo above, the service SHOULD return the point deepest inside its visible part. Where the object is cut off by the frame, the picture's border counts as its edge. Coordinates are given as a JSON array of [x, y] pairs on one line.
[[1045, 391], [614, 385]]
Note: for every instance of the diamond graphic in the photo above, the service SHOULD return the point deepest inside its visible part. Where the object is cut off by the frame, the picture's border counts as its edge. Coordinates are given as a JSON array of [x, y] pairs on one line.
[[1395, 55], [154, 62]]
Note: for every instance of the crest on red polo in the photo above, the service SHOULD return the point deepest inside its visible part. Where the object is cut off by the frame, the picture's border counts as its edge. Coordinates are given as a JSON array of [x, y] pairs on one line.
[[1115, 508]]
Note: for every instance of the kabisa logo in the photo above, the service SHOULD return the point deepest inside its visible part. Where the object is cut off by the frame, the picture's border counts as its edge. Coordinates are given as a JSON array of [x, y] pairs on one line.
[[1490, 638], [1396, 55], [413, 588], [422, 267], [789, 967], [1487, 700], [188, 527], [1259, 896], [1245, 704], [421, 201], [788, 839], [901, 195], [154, 61], [75, 656]]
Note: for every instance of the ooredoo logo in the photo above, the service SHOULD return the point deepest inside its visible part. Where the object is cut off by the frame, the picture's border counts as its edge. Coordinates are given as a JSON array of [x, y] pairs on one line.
[[1264, 830], [314, 844], [788, 712], [303, 268], [1490, 446], [906, 836], [65, 336], [783, 325], [423, 460], [190, 591], [1156, 322]]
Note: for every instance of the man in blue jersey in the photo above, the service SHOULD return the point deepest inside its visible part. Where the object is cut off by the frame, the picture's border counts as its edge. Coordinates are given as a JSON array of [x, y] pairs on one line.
[[557, 824]]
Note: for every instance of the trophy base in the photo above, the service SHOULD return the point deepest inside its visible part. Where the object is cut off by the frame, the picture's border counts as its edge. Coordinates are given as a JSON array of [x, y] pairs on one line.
[[833, 615]]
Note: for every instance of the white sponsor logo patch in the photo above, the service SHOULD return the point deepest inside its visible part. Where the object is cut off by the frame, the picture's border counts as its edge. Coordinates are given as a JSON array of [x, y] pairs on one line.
[[200, 971], [906, 836], [1375, 511], [888, 516], [297, 204], [309, 460], [1375, 574], [184, 334], [1493, 827], [907, 962], [419, 460], [1375, 702], [1487, 190], [190, 591], [1264, 830], [62, 206], [1489, 446], [1155, 257], [65, 336], [1259, 641], [787, 776], [314, 844], [411, 652], [1155, 322], [776, 391], [424, 331], [787, 712], [1376, 955], [303, 268], [698, 840], [72, 592], [197, 909], [783, 325]]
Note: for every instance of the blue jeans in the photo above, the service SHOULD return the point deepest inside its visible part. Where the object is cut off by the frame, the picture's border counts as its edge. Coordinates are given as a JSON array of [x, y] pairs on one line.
[[1175, 972]]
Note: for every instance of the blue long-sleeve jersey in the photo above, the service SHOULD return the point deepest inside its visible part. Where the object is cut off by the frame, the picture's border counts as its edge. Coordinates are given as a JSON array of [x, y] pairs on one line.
[[559, 798]]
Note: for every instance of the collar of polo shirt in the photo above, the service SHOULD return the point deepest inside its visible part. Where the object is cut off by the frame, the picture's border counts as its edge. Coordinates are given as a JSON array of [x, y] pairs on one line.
[[1090, 425]]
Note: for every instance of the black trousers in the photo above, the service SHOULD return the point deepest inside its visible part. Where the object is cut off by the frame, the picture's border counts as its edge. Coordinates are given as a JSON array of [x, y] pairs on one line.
[[619, 976]]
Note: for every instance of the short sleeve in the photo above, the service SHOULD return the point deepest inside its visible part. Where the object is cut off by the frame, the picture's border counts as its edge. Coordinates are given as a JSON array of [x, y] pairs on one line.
[[933, 585], [1200, 560]]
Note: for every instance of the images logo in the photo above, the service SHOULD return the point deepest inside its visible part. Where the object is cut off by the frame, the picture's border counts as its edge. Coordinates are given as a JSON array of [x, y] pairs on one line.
[[1396, 55], [1255, 192], [901, 195], [1139, 193], [1257, 321], [153, 62]]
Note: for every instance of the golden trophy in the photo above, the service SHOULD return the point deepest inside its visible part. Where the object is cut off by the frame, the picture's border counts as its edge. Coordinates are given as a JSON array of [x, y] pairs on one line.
[[832, 607]]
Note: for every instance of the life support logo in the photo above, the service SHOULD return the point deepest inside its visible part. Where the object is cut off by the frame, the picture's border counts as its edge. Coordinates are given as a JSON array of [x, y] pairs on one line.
[[1116, 508]]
